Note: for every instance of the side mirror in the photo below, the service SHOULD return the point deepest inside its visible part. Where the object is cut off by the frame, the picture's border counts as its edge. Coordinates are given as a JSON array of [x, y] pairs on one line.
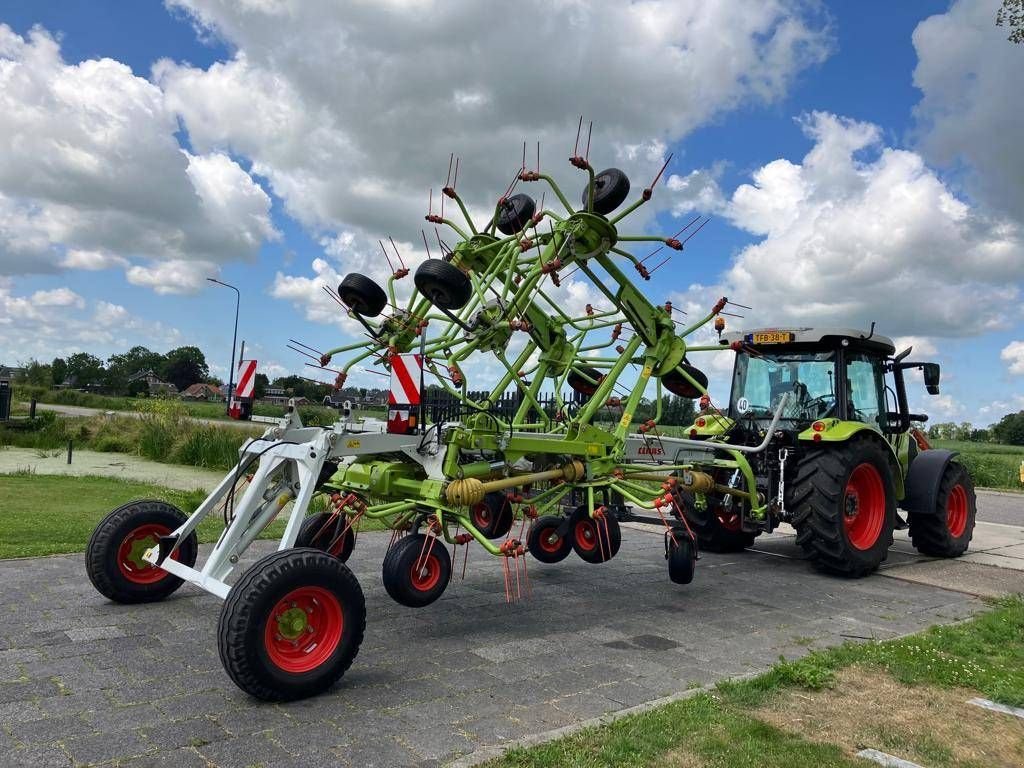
[[931, 377]]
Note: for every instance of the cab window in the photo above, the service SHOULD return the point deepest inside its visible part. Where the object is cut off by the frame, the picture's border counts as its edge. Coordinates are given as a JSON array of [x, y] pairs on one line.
[[864, 387]]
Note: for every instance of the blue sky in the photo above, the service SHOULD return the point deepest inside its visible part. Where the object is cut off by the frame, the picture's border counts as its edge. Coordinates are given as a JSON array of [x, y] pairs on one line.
[[852, 63]]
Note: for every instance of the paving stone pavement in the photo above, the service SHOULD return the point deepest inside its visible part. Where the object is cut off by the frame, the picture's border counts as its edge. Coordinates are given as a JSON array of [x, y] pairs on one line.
[[87, 682]]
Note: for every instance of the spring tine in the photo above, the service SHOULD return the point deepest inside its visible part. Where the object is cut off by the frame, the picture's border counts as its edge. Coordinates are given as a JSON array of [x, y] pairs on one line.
[[293, 341], [401, 261], [698, 229], [523, 168], [425, 244], [465, 560], [663, 167], [576, 147], [645, 258], [519, 593], [737, 304], [302, 352], [590, 128], [456, 179], [662, 264], [391, 266], [526, 578], [448, 178], [336, 300], [538, 157]]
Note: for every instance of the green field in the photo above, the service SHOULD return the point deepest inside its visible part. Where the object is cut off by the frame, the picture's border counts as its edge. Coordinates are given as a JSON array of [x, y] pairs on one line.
[[992, 465]]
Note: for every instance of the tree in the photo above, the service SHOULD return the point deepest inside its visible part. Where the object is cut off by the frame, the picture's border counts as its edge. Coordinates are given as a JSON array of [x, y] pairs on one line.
[[184, 366], [59, 370], [36, 374], [85, 370], [1010, 429], [259, 386], [1011, 14], [121, 367]]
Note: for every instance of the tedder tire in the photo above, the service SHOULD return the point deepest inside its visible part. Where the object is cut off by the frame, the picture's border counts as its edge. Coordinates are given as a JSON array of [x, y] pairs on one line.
[[445, 285], [844, 506], [416, 573], [515, 213], [493, 516], [579, 380], [677, 384], [362, 295], [681, 556], [321, 532], [589, 541], [948, 530], [611, 187], [292, 625], [113, 557], [544, 541]]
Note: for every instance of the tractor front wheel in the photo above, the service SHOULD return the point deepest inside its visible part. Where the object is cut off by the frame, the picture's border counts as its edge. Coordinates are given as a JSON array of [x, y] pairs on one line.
[[947, 531], [844, 507], [292, 625], [113, 557]]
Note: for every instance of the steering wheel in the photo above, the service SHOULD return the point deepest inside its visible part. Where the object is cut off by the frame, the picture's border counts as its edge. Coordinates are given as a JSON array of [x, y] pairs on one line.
[[822, 406]]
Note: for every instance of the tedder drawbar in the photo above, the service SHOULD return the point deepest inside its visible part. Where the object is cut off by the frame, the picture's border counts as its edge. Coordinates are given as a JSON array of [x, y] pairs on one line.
[[808, 439]]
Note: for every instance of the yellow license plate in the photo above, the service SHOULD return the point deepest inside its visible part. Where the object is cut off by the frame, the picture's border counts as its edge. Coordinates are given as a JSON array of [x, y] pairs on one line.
[[771, 337]]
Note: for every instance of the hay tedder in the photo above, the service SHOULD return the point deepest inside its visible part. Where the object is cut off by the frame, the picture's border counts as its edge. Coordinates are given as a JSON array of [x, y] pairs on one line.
[[554, 475]]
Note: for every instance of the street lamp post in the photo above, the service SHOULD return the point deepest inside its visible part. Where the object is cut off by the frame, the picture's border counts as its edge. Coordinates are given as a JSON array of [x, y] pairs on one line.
[[234, 338]]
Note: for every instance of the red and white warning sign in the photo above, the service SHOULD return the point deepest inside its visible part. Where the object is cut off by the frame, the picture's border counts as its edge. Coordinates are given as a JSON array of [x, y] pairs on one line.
[[405, 380], [246, 378]]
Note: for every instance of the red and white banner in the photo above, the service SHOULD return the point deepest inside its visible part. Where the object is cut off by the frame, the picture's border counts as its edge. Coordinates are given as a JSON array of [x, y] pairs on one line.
[[246, 378], [405, 380]]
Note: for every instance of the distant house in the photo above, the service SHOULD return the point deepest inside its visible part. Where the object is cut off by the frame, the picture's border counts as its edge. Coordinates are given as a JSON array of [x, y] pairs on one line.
[[202, 391], [11, 372], [275, 396], [156, 385]]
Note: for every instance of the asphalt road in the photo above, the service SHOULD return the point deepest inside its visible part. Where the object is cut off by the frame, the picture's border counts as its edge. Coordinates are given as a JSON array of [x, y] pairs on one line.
[[1001, 507]]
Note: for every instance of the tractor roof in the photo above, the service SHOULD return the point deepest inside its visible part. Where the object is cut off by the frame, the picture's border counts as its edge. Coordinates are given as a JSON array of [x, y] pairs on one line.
[[860, 339]]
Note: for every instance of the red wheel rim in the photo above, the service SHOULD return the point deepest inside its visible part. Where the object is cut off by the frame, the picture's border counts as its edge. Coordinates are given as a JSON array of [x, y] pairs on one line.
[[585, 533], [134, 545], [549, 540], [956, 511], [864, 506], [304, 629], [481, 515], [428, 573]]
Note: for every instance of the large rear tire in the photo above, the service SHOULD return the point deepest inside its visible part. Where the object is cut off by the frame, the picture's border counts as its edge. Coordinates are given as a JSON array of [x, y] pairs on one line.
[[292, 625], [947, 531], [844, 506], [717, 529]]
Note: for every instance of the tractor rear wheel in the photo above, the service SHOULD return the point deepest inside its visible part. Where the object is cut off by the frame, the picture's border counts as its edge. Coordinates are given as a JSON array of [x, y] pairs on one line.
[[292, 625], [717, 528], [113, 557], [844, 506], [327, 532], [947, 531]]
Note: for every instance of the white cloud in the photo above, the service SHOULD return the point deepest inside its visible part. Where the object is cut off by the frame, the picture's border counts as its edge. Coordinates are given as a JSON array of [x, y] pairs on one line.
[[92, 175], [970, 112], [1013, 355], [923, 346], [174, 276], [859, 232]]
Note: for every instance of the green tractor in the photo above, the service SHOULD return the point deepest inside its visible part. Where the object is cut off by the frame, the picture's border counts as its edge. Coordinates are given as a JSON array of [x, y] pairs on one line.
[[845, 466]]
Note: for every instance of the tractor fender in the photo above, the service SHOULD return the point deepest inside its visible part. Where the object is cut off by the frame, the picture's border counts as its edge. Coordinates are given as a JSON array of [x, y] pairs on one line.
[[923, 480]]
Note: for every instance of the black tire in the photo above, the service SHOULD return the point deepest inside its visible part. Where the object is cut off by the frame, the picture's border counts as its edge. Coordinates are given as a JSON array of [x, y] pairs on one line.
[[947, 532], [493, 516], [681, 556], [611, 187], [716, 529], [674, 382], [515, 213], [362, 295], [577, 380], [270, 590], [398, 571], [131, 580], [544, 541], [322, 531], [445, 285], [826, 502], [589, 540]]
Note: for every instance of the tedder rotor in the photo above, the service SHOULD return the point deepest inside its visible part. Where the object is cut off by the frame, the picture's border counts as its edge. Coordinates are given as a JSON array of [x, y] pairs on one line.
[[292, 623]]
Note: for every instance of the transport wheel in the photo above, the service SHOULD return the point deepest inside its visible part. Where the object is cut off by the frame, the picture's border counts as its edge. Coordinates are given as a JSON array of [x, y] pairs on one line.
[[948, 530], [515, 213], [445, 285], [674, 382], [681, 556], [578, 380], [362, 295], [113, 557], [545, 542], [610, 188], [292, 625], [323, 531], [843, 506], [589, 539], [493, 516], [415, 571]]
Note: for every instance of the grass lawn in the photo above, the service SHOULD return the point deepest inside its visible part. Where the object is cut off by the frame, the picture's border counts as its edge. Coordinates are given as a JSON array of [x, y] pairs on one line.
[[905, 697], [992, 465]]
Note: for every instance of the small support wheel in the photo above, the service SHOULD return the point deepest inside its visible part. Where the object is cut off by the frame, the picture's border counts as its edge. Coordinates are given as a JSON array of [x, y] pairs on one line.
[[326, 531], [493, 516], [416, 571], [681, 555], [515, 213], [595, 541], [292, 625], [545, 542], [679, 385], [445, 285], [113, 557], [611, 187], [362, 295]]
